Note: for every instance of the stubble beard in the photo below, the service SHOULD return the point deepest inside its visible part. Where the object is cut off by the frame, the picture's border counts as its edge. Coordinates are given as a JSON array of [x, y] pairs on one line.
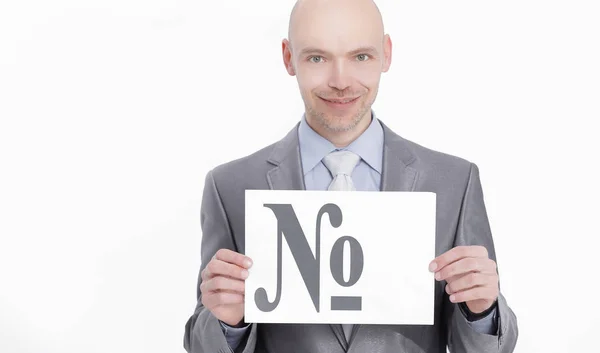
[[339, 124]]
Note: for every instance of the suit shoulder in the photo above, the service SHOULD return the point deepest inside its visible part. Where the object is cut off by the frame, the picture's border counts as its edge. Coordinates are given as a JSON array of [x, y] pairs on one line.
[[438, 161], [245, 166]]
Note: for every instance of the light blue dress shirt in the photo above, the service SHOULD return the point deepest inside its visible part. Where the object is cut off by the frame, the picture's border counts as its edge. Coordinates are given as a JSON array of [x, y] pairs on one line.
[[366, 177]]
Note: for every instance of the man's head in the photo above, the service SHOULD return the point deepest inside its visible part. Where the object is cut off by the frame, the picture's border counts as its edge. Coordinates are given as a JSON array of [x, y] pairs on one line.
[[337, 50]]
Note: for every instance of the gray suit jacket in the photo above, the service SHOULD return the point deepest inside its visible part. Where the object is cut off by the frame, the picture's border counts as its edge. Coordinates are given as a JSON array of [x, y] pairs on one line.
[[461, 220]]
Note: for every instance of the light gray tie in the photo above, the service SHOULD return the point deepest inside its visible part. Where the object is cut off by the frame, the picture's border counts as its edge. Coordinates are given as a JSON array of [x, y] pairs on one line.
[[341, 164]]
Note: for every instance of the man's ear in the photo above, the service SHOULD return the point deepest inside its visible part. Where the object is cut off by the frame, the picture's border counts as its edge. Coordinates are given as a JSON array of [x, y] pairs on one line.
[[387, 53], [286, 51]]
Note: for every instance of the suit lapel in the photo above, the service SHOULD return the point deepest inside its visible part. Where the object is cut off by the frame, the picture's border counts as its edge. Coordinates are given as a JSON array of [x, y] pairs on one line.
[[287, 174], [397, 175]]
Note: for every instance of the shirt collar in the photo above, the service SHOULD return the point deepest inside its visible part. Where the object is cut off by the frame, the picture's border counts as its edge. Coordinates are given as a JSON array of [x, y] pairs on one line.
[[314, 147]]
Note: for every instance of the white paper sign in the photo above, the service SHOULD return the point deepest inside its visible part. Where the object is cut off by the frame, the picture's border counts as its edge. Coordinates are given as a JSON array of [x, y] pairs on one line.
[[356, 257]]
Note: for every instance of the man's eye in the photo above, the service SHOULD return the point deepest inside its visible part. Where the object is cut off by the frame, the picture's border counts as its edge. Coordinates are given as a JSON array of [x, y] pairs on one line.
[[362, 57], [316, 59]]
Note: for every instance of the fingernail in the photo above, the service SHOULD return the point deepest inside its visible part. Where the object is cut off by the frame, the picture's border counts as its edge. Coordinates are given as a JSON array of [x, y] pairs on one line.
[[248, 263], [432, 266], [452, 298], [448, 288], [438, 275], [245, 274]]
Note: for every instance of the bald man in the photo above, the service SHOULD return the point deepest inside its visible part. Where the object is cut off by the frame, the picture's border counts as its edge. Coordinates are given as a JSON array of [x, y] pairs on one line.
[[337, 51]]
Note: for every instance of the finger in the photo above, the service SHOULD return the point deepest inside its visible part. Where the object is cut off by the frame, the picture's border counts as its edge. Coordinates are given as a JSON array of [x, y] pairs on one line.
[[455, 278], [233, 257], [457, 269], [219, 268], [488, 267], [463, 266], [469, 281], [479, 292], [220, 283], [213, 299], [456, 254]]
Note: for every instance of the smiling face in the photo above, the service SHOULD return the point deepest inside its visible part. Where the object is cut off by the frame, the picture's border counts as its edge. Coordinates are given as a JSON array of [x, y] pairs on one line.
[[337, 50]]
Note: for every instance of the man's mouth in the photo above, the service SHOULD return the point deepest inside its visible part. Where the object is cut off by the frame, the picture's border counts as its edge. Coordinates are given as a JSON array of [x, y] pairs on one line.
[[340, 101]]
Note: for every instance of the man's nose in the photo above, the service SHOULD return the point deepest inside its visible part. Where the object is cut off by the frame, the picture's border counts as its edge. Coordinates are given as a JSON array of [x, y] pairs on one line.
[[340, 76]]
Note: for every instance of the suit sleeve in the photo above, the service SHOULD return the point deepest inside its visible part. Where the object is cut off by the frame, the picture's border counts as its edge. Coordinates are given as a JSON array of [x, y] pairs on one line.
[[474, 229], [203, 332]]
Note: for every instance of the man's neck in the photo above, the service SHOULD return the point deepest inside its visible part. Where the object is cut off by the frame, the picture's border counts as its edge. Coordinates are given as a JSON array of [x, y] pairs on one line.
[[342, 139]]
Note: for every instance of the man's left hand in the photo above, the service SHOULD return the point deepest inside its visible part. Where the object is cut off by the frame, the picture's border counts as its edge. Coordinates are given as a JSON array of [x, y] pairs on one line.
[[471, 276]]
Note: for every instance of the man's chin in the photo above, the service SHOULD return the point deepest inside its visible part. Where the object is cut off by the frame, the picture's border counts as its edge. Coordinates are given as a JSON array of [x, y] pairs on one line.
[[338, 123]]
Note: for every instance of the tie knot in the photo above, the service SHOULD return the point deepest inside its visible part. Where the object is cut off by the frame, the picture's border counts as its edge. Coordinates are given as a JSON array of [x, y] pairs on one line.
[[341, 162]]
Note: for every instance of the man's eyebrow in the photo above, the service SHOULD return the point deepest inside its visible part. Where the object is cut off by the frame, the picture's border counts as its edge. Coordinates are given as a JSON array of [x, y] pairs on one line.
[[312, 50], [361, 50]]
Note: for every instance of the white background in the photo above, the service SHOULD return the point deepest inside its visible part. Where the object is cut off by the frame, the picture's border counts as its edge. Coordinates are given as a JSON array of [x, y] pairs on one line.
[[113, 111]]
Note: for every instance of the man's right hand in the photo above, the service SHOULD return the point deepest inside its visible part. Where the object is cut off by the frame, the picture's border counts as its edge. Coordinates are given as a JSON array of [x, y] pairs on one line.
[[223, 285]]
